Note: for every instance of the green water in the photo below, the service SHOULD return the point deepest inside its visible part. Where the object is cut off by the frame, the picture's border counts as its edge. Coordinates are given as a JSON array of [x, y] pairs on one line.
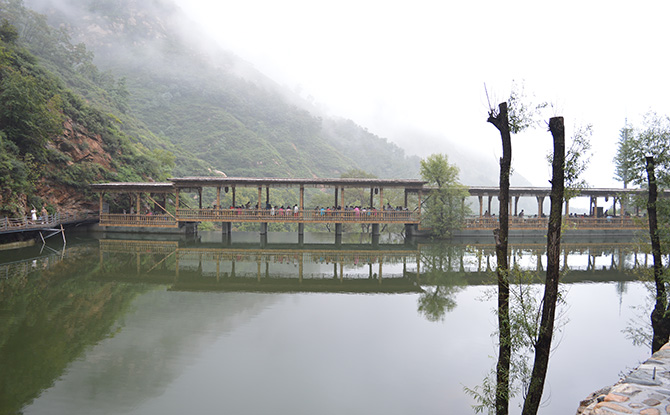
[[127, 326]]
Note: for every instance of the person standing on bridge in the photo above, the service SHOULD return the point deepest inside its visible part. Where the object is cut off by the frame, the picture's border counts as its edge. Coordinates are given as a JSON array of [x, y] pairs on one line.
[[45, 214], [33, 214]]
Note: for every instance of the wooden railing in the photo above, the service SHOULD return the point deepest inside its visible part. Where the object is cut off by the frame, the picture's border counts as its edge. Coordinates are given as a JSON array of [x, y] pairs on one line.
[[48, 221], [265, 215], [132, 219], [572, 222]]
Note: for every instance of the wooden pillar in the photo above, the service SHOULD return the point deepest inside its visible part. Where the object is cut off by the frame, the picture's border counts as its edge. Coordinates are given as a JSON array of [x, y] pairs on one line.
[[218, 197], [516, 205], [336, 194], [260, 190], [342, 197], [481, 206], [302, 198], [137, 203], [100, 198], [405, 205], [267, 195], [200, 198], [381, 198], [419, 202], [233, 195], [176, 199], [490, 197], [372, 202]]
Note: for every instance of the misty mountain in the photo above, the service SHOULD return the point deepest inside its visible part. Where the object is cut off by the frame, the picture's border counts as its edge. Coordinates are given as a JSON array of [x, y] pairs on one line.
[[211, 103]]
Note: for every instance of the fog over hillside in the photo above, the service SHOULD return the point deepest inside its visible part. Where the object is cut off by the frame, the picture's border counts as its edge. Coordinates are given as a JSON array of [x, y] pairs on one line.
[[214, 104]]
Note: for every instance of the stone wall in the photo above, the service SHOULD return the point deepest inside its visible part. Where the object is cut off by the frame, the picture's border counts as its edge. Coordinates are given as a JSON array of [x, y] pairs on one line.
[[644, 391]]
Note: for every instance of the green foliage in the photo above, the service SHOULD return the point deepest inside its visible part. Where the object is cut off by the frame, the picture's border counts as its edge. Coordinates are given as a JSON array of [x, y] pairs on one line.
[[8, 32], [651, 139], [444, 207], [29, 114], [526, 293], [17, 176], [623, 161], [35, 105], [577, 160]]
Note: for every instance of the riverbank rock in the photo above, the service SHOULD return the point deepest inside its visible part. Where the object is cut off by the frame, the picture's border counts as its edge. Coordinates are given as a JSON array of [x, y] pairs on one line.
[[646, 390]]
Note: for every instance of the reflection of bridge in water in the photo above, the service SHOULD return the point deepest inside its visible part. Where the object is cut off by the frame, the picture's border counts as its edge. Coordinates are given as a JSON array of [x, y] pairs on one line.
[[355, 268]]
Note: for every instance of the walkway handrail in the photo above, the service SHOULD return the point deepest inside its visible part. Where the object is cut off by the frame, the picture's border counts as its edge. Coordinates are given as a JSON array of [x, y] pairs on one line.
[[133, 219], [307, 215], [51, 220], [571, 222]]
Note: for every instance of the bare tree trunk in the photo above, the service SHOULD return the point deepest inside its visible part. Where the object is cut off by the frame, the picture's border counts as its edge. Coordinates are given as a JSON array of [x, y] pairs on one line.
[[501, 122], [543, 343], [659, 323]]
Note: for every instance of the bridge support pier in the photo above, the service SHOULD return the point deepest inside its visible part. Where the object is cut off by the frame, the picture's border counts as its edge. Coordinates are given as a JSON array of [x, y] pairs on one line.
[[301, 229], [411, 229], [338, 229], [264, 228], [226, 228], [375, 229]]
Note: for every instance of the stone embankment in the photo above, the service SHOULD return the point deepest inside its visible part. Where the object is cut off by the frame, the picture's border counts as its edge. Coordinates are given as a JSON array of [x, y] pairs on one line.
[[645, 391]]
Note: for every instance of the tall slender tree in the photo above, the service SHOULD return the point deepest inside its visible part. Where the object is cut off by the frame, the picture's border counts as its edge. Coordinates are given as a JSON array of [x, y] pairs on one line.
[[660, 316], [546, 330], [500, 119], [623, 162]]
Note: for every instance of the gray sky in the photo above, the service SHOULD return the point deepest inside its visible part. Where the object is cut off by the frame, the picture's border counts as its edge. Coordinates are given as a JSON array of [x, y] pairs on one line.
[[408, 71]]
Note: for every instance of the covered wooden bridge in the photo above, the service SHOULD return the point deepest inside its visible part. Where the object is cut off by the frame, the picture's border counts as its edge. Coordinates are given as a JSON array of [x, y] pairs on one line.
[[170, 215]]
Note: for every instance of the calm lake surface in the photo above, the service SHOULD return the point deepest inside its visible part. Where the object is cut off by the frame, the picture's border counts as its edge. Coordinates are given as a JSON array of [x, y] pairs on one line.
[[129, 326]]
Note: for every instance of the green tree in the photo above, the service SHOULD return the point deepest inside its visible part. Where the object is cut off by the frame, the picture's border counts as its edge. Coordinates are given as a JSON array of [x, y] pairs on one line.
[[508, 119], [648, 164], [623, 162], [8, 32], [545, 333], [445, 209], [27, 113]]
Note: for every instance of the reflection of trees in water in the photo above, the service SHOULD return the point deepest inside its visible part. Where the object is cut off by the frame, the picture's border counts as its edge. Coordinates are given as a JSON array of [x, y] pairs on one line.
[[55, 313], [440, 281]]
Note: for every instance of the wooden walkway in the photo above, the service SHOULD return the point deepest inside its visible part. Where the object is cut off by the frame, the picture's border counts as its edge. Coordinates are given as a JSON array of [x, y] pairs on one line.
[[24, 224]]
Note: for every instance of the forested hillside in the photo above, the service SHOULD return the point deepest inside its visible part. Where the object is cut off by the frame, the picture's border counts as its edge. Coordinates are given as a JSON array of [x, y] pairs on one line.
[[53, 142], [210, 103], [116, 90]]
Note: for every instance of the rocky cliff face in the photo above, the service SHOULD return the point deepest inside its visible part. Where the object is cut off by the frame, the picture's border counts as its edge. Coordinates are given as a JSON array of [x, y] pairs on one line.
[[78, 146]]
